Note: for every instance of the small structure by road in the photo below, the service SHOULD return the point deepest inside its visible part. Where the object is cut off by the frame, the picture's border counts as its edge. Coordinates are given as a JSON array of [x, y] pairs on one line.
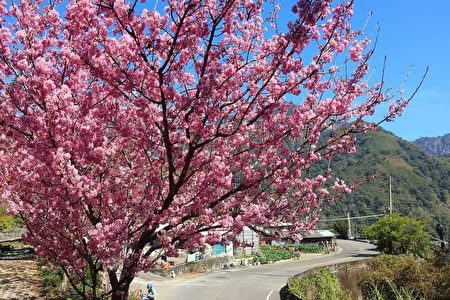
[[12, 236], [319, 236]]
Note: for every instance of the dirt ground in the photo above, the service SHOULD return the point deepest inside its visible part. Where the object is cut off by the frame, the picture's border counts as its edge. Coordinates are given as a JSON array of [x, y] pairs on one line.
[[19, 279]]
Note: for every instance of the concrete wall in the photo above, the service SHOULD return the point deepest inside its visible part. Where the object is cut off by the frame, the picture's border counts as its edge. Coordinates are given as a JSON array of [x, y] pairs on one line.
[[197, 267], [349, 274]]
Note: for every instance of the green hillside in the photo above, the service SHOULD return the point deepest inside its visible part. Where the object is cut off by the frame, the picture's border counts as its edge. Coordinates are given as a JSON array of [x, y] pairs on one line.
[[420, 183]]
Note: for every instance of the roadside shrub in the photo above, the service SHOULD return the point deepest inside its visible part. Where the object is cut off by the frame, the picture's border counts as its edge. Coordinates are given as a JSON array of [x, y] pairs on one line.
[[396, 234], [51, 276], [403, 275], [341, 229], [321, 284]]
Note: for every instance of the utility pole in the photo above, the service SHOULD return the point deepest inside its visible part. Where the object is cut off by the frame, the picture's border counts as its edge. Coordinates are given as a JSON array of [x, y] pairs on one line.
[[390, 195], [440, 231], [349, 226], [448, 245]]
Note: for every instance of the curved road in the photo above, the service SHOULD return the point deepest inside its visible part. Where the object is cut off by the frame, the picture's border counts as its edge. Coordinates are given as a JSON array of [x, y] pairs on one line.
[[253, 283]]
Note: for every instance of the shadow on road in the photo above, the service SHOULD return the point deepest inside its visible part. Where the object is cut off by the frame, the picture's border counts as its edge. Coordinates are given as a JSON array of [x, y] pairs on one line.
[[284, 295], [362, 255], [277, 273]]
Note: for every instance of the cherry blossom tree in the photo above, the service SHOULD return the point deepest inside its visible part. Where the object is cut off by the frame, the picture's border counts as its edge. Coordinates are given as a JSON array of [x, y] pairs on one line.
[[129, 127]]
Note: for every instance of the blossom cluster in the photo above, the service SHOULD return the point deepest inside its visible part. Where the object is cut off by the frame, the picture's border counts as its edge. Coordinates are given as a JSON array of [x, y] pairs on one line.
[[124, 127]]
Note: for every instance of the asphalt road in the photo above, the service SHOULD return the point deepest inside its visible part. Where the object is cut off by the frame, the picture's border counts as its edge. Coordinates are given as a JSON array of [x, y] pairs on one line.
[[254, 283]]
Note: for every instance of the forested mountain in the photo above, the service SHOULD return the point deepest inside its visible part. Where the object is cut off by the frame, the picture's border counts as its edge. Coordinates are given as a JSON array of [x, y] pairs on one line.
[[436, 146], [420, 183]]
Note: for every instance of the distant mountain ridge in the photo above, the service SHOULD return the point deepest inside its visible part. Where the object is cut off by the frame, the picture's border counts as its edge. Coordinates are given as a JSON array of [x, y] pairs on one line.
[[435, 146]]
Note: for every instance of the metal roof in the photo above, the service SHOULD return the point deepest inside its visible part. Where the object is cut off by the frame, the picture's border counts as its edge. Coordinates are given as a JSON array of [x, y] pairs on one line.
[[318, 234]]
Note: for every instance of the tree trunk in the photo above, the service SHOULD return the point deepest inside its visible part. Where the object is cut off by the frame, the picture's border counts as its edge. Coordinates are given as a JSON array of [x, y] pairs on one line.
[[120, 291]]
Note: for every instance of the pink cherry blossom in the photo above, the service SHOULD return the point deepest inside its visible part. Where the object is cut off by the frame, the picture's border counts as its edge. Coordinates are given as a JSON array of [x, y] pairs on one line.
[[125, 130]]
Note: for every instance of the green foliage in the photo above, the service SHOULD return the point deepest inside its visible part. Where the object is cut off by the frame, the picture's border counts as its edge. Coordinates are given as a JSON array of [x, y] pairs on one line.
[[53, 282], [275, 253], [310, 248], [420, 183], [399, 235], [51, 276], [270, 253], [398, 293], [341, 229], [7, 222], [403, 277], [319, 285]]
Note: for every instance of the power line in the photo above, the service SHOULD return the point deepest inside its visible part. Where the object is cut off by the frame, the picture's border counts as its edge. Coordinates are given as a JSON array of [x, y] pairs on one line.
[[352, 218]]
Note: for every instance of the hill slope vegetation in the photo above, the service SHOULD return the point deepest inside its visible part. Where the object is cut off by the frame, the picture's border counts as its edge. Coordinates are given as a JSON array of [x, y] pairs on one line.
[[420, 183]]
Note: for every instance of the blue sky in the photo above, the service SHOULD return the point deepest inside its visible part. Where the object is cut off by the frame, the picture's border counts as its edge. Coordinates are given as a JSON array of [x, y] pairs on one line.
[[412, 33]]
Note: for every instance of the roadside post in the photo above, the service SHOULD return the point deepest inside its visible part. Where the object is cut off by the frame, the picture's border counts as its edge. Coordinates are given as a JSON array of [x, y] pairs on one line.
[[448, 244], [349, 226], [440, 231]]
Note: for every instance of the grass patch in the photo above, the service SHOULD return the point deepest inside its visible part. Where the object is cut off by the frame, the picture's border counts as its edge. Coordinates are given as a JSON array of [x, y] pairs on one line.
[[321, 284], [397, 292]]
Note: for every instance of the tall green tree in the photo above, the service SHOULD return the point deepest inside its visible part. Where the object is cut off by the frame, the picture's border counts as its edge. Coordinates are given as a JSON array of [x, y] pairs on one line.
[[400, 235], [341, 229]]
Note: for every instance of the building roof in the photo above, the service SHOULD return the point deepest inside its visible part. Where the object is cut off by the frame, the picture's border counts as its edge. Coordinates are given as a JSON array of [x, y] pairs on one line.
[[318, 234]]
